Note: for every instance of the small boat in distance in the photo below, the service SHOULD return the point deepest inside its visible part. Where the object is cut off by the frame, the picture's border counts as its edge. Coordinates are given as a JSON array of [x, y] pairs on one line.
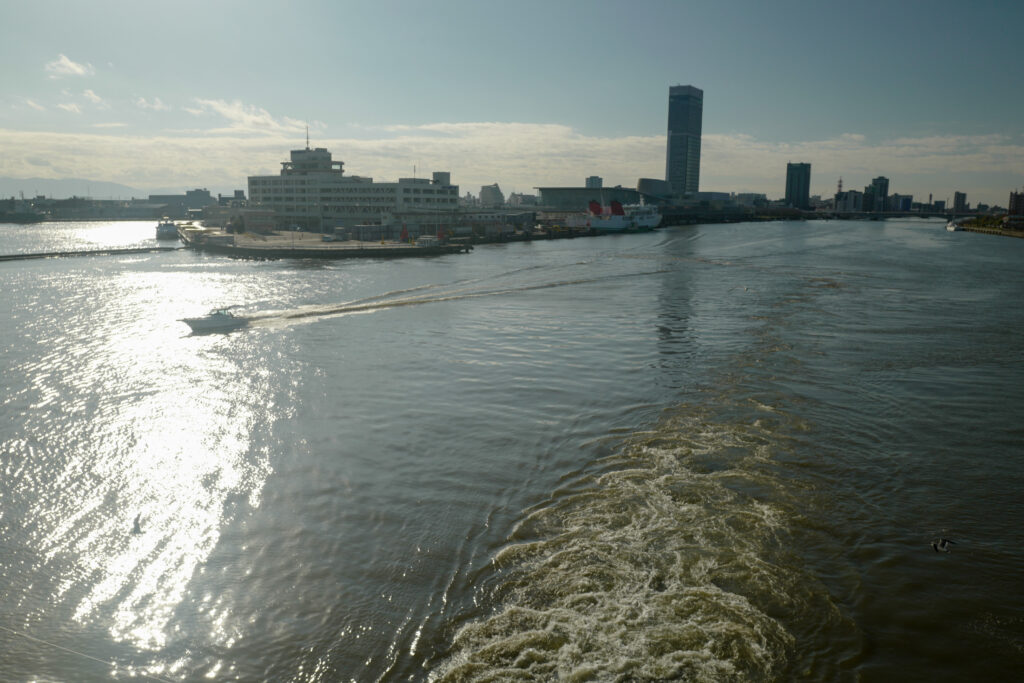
[[166, 230], [220, 320]]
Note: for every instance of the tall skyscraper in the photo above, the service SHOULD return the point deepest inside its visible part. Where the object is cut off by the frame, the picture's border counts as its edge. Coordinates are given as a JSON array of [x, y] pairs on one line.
[[881, 185], [1016, 204], [798, 185], [682, 158]]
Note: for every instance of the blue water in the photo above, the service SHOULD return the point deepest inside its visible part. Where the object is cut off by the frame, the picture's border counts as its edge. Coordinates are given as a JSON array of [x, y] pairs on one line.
[[706, 453]]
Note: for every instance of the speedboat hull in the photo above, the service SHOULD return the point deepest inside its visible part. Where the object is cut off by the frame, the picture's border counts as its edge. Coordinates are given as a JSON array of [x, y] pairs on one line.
[[218, 321]]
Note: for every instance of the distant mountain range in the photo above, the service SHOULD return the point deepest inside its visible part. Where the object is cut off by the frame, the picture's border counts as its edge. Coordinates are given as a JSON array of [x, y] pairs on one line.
[[74, 187]]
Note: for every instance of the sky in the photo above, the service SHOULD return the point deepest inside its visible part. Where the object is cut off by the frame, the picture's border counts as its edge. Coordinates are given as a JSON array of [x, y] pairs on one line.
[[169, 96]]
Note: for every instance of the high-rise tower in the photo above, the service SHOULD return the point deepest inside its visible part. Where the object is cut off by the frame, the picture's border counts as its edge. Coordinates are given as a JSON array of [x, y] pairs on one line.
[[798, 185], [682, 157]]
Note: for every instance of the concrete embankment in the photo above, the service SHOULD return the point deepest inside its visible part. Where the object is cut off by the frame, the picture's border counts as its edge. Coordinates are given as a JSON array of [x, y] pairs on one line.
[[993, 231], [306, 245], [381, 251]]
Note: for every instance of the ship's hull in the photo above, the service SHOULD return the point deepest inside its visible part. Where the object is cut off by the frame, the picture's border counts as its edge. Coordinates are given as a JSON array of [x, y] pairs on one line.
[[215, 322], [166, 231]]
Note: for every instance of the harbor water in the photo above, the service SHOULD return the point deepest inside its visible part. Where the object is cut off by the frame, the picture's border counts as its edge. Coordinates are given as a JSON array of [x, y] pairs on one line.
[[708, 453]]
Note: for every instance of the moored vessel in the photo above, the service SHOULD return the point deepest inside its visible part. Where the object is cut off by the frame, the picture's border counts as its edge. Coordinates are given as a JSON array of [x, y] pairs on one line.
[[616, 218], [166, 230]]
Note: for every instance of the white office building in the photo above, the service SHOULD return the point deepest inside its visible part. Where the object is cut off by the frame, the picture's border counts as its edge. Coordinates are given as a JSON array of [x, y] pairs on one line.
[[313, 192]]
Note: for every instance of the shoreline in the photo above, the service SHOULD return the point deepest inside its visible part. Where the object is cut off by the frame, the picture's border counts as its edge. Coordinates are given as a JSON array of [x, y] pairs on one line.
[[993, 231]]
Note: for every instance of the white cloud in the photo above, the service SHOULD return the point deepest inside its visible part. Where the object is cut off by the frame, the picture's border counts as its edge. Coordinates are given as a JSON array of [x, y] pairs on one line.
[[109, 125], [93, 97], [245, 119], [35, 105], [155, 105], [518, 156], [62, 66], [70, 107]]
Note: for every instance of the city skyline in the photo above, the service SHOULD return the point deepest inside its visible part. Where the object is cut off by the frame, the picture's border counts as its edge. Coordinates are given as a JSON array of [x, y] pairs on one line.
[[525, 96]]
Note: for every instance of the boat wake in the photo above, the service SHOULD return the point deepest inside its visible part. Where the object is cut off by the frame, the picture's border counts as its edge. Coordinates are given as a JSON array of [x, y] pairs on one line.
[[667, 562], [416, 296]]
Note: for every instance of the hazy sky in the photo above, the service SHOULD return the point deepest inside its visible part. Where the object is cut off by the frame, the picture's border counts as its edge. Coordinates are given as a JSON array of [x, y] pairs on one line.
[[176, 95]]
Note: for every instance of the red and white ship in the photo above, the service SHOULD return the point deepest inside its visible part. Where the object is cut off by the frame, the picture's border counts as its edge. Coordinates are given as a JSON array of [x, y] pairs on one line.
[[616, 218]]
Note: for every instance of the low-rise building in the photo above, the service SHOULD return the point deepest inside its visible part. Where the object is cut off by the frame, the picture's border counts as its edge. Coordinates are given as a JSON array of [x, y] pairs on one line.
[[579, 198], [850, 201], [491, 196]]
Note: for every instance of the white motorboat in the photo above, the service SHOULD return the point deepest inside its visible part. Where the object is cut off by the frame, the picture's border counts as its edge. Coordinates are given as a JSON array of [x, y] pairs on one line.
[[220, 320]]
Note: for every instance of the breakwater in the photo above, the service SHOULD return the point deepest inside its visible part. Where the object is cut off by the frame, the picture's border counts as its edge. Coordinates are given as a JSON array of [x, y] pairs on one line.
[[84, 252]]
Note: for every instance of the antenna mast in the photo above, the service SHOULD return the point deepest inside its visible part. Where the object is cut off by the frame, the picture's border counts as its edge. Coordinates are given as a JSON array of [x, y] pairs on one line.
[[307, 137]]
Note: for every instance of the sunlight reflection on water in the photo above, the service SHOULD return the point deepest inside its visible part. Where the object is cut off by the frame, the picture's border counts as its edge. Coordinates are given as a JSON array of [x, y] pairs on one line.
[[156, 424]]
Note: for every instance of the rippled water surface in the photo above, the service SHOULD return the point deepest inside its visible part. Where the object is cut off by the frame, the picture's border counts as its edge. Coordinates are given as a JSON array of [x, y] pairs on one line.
[[706, 453]]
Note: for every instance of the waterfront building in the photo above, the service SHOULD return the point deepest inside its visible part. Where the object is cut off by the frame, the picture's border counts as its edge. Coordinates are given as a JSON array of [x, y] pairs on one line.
[[594, 182], [179, 205], [939, 205], [519, 200], [876, 195], [868, 201], [798, 185], [750, 199], [1016, 207], [313, 192], [901, 202], [654, 188], [236, 200], [959, 202], [717, 197], [682, 155], [850, 201], [491, 196], [578, 198], [881, 184]]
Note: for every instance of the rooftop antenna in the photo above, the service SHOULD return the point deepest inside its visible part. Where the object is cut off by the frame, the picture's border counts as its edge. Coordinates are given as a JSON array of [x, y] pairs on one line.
[[839, 190], [307, 137]]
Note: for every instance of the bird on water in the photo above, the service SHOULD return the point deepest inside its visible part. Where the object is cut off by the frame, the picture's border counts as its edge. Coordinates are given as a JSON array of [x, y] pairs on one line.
[[941, 545], [137, 527]]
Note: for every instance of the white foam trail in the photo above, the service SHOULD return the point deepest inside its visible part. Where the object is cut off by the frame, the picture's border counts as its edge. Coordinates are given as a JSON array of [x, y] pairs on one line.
[[658, 567]]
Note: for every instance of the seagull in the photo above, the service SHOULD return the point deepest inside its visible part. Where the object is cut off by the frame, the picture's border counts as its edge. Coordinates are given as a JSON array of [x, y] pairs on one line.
[[137, 528], [942, 545]]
